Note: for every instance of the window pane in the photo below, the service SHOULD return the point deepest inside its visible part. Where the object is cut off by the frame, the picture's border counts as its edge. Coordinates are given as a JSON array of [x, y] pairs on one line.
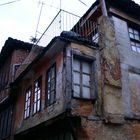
[[131, 35], [52, 73], [86, 79], [86, 67], [29, 102], [138, 49], [132, 43], [134, 48], [38, 95], [76, 91], [130, 30], [136, 32], [52, 84], [76, 65], [26, 96], [48, 95], [52, 97], [35, 98], [76, 77], [34, 108], [27, 112], [86, 92], [25, 105], [137, 37], [38, 105]]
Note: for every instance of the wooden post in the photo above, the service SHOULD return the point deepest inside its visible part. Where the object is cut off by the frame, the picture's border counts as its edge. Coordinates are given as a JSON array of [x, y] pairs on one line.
[[103, 7]]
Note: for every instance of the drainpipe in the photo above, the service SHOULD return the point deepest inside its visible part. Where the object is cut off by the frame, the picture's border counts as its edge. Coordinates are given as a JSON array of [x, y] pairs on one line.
[[103, 7]]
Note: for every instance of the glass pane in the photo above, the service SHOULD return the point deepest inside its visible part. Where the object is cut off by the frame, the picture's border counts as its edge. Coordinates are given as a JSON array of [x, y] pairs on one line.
[[137, 37], [86, 92], [38, 95], [136, 32], [34, 108], [26, 96], [52, 72], [76, 65], [38, 105], [132, 43], [48, 96], [49, 78], [134, 48], [28, 112], [138, 49], [131, 35], [52, 97], [76, 91], [26, 105], [36, 88], [52, 84], [35, 98], [86, 67], [76, 77], [36, 84], [29, 102], [130, 30], [86, 80]]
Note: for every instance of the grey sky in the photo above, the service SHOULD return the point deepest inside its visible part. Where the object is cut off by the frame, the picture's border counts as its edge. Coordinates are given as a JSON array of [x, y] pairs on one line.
[[19, 19]]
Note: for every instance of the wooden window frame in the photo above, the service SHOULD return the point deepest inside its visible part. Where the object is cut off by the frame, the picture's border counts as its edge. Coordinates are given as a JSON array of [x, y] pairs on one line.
[[92, 77], [27, 104], [49, 85], [134, 42], [37, 95]]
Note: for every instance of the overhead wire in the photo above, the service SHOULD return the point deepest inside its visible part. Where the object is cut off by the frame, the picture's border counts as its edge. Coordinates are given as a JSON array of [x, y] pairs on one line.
[[82, 2], [10, 2]]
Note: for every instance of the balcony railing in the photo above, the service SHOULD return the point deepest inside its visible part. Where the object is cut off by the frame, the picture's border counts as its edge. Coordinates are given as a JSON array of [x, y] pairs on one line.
[[66, 21]]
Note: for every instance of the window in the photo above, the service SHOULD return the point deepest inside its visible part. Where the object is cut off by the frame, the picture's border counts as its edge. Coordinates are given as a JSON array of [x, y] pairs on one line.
[[37, 95], [82, 78], [5, 122], [51, 85], [135, 39], [27, 103], [95, 33]]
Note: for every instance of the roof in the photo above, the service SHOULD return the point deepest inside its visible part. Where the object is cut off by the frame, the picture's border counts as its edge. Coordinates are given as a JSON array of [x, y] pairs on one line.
[[127, 6], [66, 37], [11, 45]]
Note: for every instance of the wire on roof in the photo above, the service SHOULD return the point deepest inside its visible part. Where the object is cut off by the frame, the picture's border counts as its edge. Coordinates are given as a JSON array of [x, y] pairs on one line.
[[10, 2]]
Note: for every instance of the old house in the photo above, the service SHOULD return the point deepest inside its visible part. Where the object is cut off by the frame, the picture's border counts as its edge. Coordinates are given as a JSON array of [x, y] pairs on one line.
[[12, 55], [84, 84]]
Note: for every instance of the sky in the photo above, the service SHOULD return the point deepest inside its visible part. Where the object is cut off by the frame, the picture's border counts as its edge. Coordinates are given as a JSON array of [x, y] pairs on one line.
[[20, 18]]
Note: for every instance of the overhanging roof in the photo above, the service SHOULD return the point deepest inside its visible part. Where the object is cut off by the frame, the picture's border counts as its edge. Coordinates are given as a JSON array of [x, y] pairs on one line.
[[127, 6], [11, 45]]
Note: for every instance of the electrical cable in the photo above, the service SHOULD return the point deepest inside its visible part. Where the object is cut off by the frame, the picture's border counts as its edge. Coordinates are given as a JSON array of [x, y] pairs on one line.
[[9, 2], [82, 2], [39, 18]]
